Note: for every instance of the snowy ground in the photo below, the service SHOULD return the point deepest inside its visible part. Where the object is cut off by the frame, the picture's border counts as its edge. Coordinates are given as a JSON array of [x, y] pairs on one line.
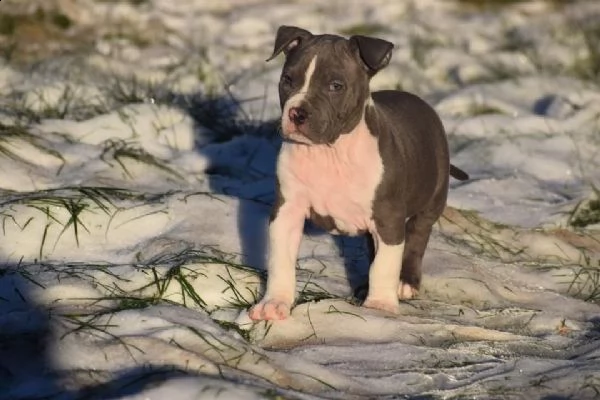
[[136, 178]]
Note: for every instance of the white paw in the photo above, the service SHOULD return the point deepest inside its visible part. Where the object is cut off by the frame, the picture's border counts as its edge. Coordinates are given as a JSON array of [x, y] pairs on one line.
[[270, 310], [405, 291], [390, 306]]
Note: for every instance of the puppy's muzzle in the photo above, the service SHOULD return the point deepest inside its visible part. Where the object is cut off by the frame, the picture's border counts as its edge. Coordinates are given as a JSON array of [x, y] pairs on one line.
[[298, 116]]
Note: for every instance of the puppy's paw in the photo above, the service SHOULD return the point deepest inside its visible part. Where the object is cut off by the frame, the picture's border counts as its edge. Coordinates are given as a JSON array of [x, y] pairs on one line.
[[406, 291], [270, 310], [390, 306]]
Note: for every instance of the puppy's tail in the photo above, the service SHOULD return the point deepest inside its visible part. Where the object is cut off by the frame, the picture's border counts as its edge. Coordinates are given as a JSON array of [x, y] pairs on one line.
[[458, 173]]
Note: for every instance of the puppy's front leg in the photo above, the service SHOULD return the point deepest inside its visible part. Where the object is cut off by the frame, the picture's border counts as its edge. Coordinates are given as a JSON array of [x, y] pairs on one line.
[[285, 233]]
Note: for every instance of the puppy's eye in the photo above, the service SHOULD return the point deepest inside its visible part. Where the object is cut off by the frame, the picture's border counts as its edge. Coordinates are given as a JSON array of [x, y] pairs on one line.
[[336, 86], [286, 80]]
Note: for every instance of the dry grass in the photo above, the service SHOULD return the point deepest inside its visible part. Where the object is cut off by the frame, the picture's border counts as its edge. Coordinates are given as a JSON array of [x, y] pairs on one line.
[[491, 4], [43, 29]]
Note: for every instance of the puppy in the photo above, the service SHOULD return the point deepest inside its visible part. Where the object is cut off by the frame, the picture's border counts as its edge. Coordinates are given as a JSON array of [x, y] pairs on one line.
[[353, 162]]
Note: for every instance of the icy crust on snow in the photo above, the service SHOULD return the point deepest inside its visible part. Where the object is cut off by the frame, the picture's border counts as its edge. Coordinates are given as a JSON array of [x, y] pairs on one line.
[[134, 211]]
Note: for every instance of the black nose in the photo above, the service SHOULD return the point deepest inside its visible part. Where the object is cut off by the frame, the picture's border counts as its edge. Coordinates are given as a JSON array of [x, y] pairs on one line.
[[298, 115]]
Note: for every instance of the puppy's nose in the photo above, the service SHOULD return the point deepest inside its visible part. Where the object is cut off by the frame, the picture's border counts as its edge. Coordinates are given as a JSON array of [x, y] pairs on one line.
[[298, 115]]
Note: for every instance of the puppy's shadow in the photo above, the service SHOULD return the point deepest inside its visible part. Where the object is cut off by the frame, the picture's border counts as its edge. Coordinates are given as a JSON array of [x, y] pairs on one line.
[[354, 253], [244, 166]]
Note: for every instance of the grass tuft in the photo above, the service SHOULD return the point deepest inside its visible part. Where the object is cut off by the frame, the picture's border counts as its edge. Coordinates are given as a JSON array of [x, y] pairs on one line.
[[585, 283], [483, 109], [10, 133], [420, 47], [119, 150], [587, 67], [132, 90], [313, 292], [132, 2], [54, 204], [240, 300], [586, 212], [496, 4], [232, 326]]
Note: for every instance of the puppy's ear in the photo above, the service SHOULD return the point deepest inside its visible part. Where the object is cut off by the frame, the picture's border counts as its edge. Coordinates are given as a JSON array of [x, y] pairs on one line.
[[373, 52], [288, 37]]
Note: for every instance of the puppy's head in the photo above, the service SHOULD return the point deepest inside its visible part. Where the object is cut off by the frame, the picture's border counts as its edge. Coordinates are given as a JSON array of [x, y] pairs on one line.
[[324, 83]]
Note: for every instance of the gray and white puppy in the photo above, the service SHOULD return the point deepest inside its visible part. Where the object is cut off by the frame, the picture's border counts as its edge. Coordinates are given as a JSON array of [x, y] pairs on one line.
[[354, 162]]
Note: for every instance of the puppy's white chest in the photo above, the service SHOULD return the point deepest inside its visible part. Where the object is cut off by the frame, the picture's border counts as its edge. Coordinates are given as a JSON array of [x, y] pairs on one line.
[[336, 183]]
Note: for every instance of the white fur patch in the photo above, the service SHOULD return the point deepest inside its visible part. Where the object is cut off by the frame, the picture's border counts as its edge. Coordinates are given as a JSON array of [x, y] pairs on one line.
[[337, 180], [297, 99], [406, 292], [384, 276], [285, 233]]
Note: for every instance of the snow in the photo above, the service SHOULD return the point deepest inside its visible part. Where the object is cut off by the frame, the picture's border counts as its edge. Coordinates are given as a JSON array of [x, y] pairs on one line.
[[134, 209]]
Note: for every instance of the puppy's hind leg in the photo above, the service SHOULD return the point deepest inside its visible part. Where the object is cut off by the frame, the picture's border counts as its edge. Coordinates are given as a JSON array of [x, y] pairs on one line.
[[418, 231]]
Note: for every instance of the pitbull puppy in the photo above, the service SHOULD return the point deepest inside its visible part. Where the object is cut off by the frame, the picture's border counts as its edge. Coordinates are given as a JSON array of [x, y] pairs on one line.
[[353, 162]]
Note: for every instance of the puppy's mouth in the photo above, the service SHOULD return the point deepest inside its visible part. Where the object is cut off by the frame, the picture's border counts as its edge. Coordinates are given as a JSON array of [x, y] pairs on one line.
[[292, 134], [302, 142], [303, 135], [297, 138]]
